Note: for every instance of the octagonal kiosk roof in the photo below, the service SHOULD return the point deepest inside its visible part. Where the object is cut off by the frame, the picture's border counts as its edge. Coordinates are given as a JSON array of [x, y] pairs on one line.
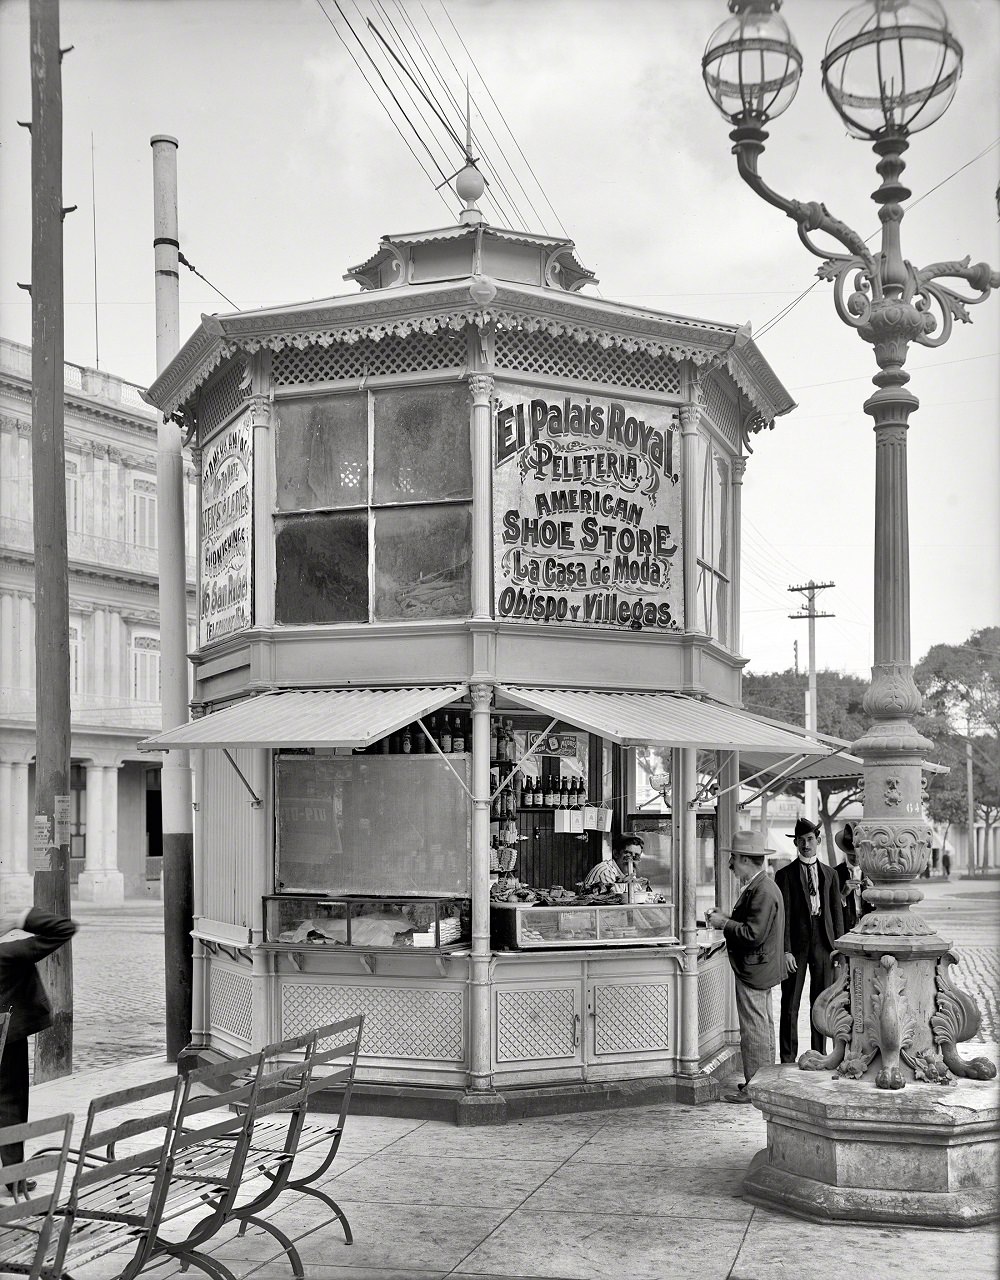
[[438, 316]]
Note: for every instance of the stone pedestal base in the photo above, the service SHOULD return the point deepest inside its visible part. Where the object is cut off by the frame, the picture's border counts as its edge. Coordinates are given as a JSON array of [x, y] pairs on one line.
[[925, 1155], [104, 887], [17, 890]]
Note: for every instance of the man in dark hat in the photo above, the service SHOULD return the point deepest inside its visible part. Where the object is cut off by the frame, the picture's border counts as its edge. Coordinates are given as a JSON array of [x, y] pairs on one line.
[[851, 879], [22, 992], [814, 920], [754, 936]]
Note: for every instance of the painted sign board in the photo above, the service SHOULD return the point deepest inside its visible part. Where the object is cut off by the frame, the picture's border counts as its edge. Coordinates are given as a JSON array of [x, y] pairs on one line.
[[586, 511], [225, 586]]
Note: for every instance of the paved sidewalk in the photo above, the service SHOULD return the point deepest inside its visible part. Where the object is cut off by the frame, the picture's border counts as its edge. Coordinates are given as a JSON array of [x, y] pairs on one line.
[[648, 1193]]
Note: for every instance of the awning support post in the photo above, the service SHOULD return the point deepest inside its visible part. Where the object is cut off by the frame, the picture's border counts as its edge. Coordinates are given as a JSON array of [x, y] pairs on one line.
[[480, 1077], [686, 768]]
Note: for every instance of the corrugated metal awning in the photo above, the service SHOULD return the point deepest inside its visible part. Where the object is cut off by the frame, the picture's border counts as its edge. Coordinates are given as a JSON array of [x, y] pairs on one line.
[[667, 720], [309, 718], [756, 765]]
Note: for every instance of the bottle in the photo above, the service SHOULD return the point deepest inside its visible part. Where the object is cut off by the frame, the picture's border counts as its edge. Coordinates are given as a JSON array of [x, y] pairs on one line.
[[551, 795], [528, 794], [494, 740], [432, 726], [583, 793], [407, 742], [444, 742], [564, 794], [458, 735], [508, 729], [419, 741]]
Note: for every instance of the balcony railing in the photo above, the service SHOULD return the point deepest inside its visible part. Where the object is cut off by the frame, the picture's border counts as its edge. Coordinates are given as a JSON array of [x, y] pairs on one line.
[[90, 548], [16, 358], [86, 710]]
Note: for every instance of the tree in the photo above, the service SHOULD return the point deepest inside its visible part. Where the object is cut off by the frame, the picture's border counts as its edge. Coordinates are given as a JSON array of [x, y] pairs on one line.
[[781, 695], [961, 688]]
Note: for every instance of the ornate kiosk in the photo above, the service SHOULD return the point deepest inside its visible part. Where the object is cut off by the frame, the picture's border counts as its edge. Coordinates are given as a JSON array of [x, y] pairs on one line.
[[469, 601]]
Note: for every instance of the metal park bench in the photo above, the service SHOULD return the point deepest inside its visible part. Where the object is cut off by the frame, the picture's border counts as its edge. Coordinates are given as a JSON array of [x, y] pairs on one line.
[[164, 1167], [27, 1224]]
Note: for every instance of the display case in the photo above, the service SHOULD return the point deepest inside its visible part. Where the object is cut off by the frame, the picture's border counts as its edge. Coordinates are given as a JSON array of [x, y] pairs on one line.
[[368, 924], [521, 926]]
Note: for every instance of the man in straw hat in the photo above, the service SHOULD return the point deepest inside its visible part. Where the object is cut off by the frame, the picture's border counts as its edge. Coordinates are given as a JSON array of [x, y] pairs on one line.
[[814, 920], [754, 936]]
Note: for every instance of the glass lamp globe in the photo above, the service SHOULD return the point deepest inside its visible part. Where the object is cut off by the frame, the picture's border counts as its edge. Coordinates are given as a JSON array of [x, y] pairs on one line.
[[751, 66], [891, 66]]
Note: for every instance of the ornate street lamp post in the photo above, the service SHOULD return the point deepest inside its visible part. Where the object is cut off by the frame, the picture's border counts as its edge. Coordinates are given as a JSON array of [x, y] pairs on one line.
[[891, 68]]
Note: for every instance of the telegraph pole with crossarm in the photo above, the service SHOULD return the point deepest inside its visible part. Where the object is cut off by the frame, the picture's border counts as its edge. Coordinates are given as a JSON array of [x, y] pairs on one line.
[[809, 590]]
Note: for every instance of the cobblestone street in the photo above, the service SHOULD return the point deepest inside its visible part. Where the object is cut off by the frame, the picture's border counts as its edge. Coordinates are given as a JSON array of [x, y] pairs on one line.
[[118, 983]]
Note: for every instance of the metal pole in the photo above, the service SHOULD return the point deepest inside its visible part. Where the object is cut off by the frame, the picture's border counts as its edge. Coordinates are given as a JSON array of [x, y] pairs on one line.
[[54, 1047], [175, 777], [970, 800], [809, 590]]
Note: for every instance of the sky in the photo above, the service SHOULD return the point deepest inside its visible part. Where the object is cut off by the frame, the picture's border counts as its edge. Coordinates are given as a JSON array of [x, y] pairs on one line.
[[289, 171]]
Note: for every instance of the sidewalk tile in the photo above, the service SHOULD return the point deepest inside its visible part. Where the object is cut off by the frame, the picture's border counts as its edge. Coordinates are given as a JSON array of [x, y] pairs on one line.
[[710, 1190], [407, 1237], [598, 1246], [784, 1248], [395, 1178]]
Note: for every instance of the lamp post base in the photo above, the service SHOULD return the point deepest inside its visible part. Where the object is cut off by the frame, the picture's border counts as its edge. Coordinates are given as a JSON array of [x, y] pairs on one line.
[[842, 1151]]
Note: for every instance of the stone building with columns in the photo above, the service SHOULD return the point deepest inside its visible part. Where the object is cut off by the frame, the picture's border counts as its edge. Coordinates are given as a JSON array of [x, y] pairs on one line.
[[110, 447]]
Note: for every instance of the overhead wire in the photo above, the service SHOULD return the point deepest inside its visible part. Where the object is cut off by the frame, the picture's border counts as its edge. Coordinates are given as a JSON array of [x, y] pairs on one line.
[[505, 213], [381, 101], [523, 221], [499, 112]]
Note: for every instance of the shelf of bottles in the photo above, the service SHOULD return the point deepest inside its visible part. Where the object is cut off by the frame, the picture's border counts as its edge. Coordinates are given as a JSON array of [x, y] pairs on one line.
[[515, 793], [450, 730]]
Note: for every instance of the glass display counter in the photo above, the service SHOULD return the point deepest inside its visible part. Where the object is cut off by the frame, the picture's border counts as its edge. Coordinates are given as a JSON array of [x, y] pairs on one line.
[[524, 927], [367, 923]]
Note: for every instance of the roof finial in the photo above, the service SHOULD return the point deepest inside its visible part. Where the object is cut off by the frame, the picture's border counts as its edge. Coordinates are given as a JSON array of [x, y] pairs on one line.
[[469, 182]]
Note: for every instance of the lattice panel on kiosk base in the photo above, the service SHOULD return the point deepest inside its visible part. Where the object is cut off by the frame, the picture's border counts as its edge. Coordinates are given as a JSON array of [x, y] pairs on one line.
[[723, 412], [350, 361], [632, 1017], [563, 356], [713, 986], [400, 1022], [222, 397], [536, 1024], [231, 1003]]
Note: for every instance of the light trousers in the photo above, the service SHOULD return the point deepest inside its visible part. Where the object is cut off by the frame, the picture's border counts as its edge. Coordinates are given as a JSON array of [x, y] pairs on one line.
[[756, 1016]]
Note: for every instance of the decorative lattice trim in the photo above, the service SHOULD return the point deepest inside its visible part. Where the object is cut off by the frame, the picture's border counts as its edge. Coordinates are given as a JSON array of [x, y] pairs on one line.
[[723, 411], [222, 397], [567, 356], [230, 1002], [343, 361], [400, 1022], [632, 1017]]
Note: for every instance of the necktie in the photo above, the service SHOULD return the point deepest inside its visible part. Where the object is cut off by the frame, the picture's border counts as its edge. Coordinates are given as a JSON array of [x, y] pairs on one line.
[[813, 889]]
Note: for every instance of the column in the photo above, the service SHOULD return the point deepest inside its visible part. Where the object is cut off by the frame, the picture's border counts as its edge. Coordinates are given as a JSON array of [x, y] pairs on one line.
[[690, 417], [25, 642], [481, 386], [101, 881], [480, 1078], [686, 780], [739, 466], [97, 657], [6, 832], [263, 487], [266, 1011], [18, 881], [7, 644]]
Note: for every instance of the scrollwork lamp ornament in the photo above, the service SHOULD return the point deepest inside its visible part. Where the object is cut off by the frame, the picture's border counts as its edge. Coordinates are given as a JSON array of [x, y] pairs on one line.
[[891, 68]]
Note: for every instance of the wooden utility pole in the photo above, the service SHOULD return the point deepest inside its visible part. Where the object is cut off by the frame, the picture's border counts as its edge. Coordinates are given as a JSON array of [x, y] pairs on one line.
[[50, 833], [809, 590]]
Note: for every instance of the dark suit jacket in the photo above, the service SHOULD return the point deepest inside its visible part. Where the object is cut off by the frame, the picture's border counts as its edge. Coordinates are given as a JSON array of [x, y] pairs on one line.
[[755, 933], [21, 988], [850, 906], [792, 883]]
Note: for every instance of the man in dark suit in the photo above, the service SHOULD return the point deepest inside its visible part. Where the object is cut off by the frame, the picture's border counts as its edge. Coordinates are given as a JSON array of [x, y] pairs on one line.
[[851, 879], [754, 936], [22, 992], [814, 919]]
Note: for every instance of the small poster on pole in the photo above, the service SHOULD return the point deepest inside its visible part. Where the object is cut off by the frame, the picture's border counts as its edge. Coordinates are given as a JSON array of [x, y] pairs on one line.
[[41, 843]]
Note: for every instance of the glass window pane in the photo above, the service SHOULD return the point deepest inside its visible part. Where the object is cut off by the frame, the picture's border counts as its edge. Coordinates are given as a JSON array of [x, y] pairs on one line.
[[422, 449], [422, 562], [321, 569], [322, 452], [373, 824]]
